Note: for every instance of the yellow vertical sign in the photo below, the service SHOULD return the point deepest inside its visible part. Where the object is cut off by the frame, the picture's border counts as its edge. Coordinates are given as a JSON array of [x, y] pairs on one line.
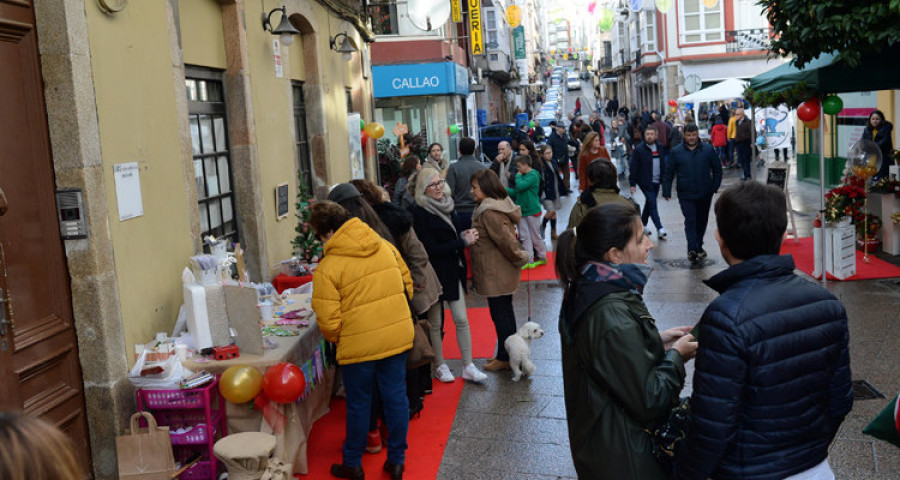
[[476, 36], [455, 11]]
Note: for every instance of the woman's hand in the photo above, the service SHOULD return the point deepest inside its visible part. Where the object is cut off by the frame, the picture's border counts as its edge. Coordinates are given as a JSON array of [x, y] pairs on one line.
[[686, 347], [470, 236], [669, 336]]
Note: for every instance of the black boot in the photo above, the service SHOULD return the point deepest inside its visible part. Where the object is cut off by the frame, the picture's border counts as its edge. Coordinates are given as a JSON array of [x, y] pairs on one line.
[[340, 470], [396, 471]]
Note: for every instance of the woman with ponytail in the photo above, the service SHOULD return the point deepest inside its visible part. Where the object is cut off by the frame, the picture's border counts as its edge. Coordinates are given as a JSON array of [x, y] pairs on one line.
[[619, 372]]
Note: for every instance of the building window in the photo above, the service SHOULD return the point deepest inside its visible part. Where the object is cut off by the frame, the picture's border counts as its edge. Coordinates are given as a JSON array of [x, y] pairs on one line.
[[384, 17], [490, 23], [700, 23], [493, 57], [212, 159], [648, 31], [302, 139]]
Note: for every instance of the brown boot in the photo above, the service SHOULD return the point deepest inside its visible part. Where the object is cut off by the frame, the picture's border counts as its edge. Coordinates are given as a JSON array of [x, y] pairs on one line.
[[497, 366]]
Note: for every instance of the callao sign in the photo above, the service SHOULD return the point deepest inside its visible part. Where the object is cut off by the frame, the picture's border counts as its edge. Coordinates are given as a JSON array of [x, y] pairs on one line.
[[416, 82]]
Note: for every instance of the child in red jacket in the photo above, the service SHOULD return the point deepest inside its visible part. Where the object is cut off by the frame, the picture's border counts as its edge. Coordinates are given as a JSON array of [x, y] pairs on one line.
[[719, 136]]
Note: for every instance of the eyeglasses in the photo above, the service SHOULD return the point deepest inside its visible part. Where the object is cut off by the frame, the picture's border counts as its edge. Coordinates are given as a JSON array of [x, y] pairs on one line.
[[439, 183]]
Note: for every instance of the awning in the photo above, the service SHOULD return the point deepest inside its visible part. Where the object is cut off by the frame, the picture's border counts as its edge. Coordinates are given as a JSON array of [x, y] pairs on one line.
[[726, 90], [711, 72], [825, 75]]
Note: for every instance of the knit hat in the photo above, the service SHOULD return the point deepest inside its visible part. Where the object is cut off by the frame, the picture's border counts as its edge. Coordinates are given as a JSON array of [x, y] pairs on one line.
[[342, 192]]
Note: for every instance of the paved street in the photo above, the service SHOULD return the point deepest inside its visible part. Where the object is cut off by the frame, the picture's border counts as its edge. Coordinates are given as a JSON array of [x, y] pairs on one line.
[[505, 430]]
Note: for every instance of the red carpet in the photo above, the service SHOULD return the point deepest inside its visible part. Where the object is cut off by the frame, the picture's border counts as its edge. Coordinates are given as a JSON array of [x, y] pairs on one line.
[[804, 260], [484, 337], [544, 272], [427, 438]]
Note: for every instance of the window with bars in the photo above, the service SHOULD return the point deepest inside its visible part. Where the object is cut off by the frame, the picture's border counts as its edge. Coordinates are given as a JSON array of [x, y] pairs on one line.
[[212, 159], [302, 138], [700, 23]]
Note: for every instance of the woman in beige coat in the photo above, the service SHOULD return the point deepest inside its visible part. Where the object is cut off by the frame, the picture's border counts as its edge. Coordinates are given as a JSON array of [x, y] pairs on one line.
[[497, 257]]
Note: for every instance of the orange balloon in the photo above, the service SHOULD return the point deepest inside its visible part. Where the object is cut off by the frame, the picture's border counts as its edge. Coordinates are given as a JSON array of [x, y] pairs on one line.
[[240, 383], [813, 124]]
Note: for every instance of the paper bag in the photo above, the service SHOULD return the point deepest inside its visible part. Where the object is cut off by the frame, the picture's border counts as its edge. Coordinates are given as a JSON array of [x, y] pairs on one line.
[[146, 453]]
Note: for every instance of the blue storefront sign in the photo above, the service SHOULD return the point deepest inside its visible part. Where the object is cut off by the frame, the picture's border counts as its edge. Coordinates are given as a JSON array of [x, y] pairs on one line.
[[417, 79]]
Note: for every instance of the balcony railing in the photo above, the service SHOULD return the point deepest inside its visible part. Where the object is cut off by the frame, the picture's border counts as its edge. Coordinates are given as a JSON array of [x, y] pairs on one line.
[[747, 40]]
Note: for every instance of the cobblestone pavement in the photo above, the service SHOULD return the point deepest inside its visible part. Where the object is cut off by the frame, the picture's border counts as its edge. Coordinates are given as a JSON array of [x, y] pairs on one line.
[[505, 430]]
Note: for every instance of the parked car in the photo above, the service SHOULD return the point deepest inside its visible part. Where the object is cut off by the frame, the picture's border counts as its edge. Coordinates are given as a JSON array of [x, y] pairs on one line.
[[572, 81], [492, 135]]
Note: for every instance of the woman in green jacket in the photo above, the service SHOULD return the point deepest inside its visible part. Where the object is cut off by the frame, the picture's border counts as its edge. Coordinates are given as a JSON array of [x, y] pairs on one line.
[[527, 194], [619, 372]]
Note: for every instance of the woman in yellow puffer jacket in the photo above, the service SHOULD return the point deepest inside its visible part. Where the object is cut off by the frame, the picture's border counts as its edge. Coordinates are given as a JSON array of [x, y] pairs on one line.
[[360, 298]]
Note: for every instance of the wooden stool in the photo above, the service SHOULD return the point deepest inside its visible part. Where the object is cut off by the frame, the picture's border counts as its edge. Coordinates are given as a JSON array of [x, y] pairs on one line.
[[245, 454]]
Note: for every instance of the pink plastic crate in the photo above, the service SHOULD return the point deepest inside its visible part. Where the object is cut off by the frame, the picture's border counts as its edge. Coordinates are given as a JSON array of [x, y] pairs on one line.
[[192, 398], [198, 471]]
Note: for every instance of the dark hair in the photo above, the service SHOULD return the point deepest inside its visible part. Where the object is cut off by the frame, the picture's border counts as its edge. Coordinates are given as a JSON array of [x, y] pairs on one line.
[[360, 208], [326, 216], [880, 114], [532, 153], [752, 219], [650, 127], [409, 165], [466, 146], [543, 148], [368, 190], [691, 127], [432, 146], [602, 173], [524, 159], [603, 227], [489, 183]]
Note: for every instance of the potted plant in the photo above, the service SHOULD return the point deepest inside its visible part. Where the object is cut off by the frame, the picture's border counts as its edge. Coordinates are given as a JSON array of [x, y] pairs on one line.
[[845, 202]]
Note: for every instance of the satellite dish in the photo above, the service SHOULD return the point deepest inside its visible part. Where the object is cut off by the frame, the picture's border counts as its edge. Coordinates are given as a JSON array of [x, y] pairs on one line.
[[428, 14]]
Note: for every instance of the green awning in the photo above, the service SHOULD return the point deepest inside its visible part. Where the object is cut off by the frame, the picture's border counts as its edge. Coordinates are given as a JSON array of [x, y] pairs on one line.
[[826, 75]]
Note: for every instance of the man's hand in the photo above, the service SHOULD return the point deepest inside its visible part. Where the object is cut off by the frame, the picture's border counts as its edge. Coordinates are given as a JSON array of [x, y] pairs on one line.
[[670, 335], [633, 188]]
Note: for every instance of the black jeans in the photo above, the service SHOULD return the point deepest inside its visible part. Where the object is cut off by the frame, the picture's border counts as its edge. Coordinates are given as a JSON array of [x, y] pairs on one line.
[[504, 318]]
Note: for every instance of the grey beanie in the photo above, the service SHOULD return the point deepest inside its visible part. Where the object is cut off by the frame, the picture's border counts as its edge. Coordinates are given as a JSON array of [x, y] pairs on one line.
[[342, 192]]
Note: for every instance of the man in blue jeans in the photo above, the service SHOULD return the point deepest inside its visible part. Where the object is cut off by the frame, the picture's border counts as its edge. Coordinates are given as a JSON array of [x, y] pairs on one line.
[[647, 166], [699, 175], [742, 136]]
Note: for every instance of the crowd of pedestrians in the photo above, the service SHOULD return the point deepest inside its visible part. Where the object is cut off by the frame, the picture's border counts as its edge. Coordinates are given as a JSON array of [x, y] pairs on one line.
[[621, 375]]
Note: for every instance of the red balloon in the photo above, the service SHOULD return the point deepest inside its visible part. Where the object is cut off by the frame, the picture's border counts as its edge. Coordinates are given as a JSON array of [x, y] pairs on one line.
[[364, 138], [283, 383], [808, 110], [673, 103]]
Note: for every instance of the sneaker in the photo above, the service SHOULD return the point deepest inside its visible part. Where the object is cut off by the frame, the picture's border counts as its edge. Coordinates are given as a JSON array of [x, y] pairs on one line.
[[539, 262], [528, 266], [647, 231], [701, 255], [662, 233], [443, 374], [472, 374], [692, 256], [373, 442]]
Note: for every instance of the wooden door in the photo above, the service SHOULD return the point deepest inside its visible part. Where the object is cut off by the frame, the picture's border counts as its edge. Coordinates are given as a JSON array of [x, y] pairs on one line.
[[39, 368]]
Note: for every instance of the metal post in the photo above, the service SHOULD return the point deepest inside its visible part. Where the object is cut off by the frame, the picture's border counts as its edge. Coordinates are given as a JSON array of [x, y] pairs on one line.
[[823, 241]]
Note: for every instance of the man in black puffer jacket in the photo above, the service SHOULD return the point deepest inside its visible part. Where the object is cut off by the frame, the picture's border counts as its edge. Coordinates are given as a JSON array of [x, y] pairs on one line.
[[772, 378]]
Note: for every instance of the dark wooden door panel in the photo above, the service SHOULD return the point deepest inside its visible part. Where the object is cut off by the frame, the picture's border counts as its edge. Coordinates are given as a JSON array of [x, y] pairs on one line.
[[39, 368]]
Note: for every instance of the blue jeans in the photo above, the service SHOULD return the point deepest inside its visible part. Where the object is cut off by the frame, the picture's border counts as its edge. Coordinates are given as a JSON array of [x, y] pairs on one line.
[[650, 208], [696, 217], [722, 152], [729, 153], [743, 153], [360, 380]]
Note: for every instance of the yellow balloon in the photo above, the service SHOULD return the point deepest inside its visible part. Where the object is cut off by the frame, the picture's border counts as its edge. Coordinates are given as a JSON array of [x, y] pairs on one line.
[[240, 383], [672, 109], [374, 130]]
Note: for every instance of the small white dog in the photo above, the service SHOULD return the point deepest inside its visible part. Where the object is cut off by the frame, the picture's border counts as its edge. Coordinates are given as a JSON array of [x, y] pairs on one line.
[[518, 345]]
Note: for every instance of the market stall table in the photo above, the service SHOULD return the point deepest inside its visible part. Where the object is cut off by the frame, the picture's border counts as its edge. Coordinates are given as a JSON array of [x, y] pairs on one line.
[[300, 416]]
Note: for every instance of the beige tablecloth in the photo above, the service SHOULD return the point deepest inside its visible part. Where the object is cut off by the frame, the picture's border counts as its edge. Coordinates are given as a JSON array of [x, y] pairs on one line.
[[291, 446]]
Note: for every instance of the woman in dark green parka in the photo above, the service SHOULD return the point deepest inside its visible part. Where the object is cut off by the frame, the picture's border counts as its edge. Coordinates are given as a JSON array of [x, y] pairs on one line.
[[619, 372]]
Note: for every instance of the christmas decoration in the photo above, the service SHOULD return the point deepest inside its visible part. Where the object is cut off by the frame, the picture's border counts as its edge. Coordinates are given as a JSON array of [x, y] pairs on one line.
[[306, 245]]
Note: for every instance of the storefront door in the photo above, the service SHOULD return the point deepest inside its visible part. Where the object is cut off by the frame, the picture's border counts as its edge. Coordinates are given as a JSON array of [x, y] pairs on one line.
[[39, 368]]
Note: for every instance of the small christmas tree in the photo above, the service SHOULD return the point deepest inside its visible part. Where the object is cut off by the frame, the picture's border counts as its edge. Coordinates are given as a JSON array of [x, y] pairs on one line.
[[306, 246]]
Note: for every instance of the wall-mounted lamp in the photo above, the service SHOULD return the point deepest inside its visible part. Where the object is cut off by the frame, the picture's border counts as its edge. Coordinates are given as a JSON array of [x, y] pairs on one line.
[[346, 49], [284, 28]]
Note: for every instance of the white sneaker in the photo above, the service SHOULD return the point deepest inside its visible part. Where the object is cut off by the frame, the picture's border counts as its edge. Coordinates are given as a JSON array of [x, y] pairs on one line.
[[443, 374], [662, 233], [472, 374], [647, 231]]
